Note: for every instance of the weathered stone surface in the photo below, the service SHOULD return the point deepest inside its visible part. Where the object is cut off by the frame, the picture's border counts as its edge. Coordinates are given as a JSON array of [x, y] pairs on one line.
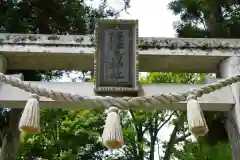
[[189, 43], [42, 40], [229, 68], [144, 43], [76, 52], [116, 56]]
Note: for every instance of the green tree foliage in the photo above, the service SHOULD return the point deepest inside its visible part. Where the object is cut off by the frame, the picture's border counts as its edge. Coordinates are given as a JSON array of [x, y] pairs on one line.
[[65, 134], [208, 19], [202, 151], [37, 16]]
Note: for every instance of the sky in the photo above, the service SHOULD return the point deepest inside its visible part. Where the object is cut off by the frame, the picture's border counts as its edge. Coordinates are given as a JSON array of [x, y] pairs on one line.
[[155, 20]]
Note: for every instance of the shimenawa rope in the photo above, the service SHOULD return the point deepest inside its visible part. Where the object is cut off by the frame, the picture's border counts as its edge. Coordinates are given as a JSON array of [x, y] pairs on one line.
[[112, 135], [118, 101]]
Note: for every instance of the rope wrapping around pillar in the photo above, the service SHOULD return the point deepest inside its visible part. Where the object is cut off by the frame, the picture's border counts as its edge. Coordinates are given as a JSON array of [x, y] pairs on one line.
[[196, 121], [112, 136], [30, 119]]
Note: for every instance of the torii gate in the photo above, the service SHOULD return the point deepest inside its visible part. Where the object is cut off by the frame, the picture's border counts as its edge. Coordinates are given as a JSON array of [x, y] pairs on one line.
[[118, 40]]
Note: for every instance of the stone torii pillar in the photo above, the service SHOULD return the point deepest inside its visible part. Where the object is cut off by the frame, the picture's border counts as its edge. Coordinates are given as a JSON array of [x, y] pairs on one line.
[[10, 134], [228, 68]]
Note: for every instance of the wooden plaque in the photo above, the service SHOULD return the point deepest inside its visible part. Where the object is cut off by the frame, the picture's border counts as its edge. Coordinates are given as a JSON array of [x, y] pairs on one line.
[[116, 56]]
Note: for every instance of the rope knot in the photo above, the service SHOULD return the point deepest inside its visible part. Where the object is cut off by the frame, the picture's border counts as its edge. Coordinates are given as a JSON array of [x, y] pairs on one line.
[[30, 119], [196, 121], [191, 96], [112, 135], [35, 96], [112, 109]]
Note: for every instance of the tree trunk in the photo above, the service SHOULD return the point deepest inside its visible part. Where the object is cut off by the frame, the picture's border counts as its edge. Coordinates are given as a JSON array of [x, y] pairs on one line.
[[173, 138], [140, 140], [152, 147], [214, 19], [11, 135], [170, 144]]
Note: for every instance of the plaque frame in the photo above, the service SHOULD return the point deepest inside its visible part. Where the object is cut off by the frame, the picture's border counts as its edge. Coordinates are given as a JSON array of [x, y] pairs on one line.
[[134, 63]]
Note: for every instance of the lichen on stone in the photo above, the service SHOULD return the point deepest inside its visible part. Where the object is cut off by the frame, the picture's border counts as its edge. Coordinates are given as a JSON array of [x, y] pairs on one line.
[[92, 40], [19, 38], [143, 43], [188, 43], [79, 39], [1, 40], [32, 38], [53, 37]]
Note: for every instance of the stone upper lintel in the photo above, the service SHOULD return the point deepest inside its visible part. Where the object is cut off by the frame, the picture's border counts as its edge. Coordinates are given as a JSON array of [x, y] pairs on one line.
[[144, 42]]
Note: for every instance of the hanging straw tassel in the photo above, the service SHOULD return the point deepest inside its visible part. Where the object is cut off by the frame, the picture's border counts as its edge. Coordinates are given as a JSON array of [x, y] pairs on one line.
[[112, 134], [30, 120], [196, 121]]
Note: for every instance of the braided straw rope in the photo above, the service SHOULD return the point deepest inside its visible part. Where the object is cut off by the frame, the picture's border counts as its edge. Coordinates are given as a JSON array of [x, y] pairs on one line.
[[118, 101]]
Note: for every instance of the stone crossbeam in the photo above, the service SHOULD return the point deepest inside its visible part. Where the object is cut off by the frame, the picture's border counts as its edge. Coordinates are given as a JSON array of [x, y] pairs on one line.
[[221, 100], [75, 52]]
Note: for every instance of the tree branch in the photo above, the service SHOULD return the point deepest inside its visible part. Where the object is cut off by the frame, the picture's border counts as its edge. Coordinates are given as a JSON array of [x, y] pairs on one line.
[[133, 118], [167, 120], [170, 144], [139, 137], [171, 141], [182, 138], [158, 145]]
